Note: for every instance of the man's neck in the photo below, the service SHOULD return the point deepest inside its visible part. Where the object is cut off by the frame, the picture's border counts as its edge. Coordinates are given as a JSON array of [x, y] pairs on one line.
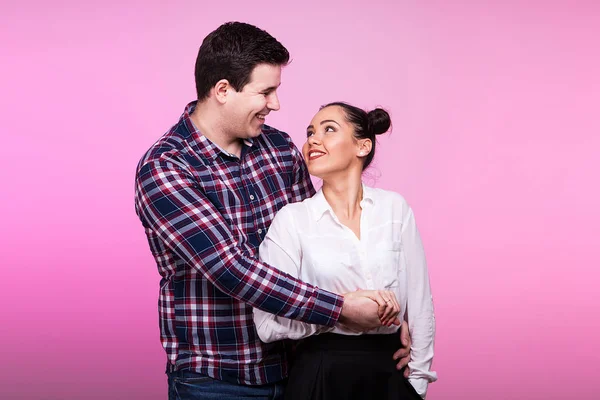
[[207, 120]]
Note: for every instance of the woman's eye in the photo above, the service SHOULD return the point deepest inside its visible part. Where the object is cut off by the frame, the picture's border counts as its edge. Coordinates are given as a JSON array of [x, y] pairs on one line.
[[309, 134], [329, 129]]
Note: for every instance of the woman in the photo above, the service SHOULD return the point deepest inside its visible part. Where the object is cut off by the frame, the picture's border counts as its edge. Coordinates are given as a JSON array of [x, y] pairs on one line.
[[347, 237]]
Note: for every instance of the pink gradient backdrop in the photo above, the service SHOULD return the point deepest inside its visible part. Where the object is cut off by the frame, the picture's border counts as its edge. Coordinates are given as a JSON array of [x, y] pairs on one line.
[[495, 145]]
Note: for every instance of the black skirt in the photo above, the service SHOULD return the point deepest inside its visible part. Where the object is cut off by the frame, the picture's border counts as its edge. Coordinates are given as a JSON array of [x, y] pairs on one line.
[[340, 367]]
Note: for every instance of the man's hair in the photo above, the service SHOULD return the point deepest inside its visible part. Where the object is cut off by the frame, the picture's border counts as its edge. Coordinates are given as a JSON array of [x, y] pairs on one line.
[[231, 52]]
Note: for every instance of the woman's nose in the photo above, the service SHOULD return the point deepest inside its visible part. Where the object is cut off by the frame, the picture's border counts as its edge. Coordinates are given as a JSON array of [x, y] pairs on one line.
[[313, 139]]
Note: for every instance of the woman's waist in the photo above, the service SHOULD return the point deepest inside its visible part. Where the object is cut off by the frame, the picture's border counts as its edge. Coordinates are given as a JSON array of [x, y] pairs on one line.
[[372, 342], [384, 330]]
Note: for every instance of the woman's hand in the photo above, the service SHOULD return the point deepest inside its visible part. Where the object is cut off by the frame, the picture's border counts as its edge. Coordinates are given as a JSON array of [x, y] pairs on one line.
[[388, 307]]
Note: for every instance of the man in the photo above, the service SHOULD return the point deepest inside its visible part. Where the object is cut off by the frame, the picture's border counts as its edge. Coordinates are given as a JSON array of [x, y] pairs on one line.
[[206, 193]]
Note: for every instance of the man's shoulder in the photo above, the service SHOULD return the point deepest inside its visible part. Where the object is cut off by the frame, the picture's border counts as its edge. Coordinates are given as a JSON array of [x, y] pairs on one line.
[[170, 147], [276, 138]]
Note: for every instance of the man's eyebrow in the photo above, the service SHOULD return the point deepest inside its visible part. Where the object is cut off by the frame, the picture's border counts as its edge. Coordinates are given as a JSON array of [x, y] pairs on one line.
[[270, 89]]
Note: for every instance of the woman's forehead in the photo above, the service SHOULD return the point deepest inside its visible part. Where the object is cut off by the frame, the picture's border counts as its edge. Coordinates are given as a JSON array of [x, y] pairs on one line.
[[331, 112]]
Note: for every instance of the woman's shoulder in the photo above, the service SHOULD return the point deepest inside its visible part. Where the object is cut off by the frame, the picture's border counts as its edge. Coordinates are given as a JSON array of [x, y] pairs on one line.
[[292, 211], [388, 198]]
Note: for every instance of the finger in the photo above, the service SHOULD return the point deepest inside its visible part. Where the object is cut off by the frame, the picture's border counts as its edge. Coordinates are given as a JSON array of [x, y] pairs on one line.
[[405, 335], [376, 296], [384, 317], [396, 303], [403, 362], [391, 315], [389, 310], [383, 311], [394, 312], [394, 320], [401, 354], [395, 309], [406, 372], [390, 298]]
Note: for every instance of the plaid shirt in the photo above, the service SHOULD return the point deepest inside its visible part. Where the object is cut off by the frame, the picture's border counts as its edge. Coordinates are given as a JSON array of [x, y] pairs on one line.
[[205, 213]]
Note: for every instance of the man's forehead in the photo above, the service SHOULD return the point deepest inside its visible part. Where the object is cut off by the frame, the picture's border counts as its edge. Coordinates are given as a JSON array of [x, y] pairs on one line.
[[267, 74]]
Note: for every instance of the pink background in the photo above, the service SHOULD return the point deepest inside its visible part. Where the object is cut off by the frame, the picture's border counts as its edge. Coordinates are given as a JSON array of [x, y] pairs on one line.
[[495, 145]]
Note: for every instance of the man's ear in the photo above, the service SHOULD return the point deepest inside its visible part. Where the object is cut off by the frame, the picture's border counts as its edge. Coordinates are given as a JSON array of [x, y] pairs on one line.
[[221, 89]]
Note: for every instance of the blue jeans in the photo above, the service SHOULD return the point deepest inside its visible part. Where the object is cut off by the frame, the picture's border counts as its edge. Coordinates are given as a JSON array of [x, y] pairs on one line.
[[186, 385]]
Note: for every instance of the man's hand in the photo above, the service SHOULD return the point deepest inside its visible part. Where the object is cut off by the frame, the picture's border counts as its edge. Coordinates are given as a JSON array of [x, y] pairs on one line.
[[364, 310], [403, 354]]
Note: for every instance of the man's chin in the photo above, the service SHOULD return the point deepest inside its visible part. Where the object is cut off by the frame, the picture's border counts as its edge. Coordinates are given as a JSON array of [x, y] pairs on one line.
[[256, 133]]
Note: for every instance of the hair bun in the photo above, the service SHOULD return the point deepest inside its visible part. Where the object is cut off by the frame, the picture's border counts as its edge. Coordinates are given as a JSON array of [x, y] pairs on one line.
[[379, 121]]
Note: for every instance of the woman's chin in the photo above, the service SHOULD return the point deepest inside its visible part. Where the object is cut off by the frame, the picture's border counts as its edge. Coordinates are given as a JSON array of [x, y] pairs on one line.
[[316, 172]]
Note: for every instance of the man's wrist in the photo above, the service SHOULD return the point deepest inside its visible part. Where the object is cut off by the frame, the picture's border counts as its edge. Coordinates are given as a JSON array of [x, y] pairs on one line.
[[343, 318], [327, 309]]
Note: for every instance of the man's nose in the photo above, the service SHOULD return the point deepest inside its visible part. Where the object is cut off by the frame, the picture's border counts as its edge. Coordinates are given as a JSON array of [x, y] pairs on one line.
[[273, 102]]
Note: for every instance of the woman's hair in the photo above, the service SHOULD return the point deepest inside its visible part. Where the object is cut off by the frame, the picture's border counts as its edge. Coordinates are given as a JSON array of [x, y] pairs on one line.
[[366, 124]]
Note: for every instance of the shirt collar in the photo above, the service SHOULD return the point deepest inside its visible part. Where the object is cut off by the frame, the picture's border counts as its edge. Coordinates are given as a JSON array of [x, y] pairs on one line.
[[319, 205], [204, 146]]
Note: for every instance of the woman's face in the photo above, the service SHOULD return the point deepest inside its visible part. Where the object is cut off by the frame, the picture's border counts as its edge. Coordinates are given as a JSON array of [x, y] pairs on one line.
[[330, 146]]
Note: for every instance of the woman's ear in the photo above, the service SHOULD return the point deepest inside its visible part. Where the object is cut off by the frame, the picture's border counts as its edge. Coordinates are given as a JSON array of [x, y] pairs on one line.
[[364, 147]]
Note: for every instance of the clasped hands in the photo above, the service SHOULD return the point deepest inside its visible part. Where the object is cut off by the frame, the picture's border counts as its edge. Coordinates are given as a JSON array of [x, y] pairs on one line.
[[364, 310]]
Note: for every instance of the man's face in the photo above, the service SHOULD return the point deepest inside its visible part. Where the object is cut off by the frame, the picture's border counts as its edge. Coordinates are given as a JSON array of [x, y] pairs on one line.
[[246, 110]]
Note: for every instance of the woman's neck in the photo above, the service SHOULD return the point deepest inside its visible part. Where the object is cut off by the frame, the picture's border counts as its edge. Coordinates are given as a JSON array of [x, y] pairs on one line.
[[344, 196]]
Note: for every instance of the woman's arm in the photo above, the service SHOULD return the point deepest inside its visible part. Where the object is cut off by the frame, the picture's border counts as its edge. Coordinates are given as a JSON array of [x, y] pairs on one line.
[[421, 319], [281, 248]]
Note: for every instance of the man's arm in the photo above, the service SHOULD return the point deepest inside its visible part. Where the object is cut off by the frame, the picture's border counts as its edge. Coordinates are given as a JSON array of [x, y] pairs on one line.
[[281, 247], [170, 203]]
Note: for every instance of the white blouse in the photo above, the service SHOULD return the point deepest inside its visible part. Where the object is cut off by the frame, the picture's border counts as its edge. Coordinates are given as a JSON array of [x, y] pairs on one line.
[[307, 240]]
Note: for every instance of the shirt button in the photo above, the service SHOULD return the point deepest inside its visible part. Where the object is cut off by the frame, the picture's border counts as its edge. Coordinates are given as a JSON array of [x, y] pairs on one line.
[[251, 197], [260, 231]]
